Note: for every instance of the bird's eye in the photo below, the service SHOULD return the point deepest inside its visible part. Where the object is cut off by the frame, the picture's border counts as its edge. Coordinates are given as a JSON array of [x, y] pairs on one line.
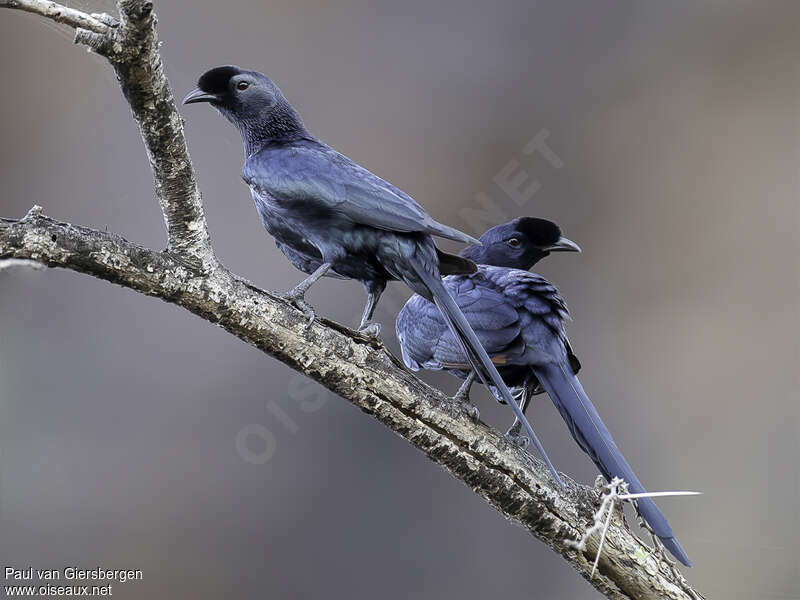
[[242, 86], [514, 242]]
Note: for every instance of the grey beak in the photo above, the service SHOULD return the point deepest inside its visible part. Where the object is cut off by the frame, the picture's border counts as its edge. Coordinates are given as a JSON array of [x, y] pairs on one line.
[[564, 245], [198, 95]]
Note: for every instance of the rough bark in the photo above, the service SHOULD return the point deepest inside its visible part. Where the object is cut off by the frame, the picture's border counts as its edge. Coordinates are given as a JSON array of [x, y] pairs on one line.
[[358, 369], [131, 46]]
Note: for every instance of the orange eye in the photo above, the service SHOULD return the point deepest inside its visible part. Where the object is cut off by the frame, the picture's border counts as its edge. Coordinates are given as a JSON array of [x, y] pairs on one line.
[[242, 86]]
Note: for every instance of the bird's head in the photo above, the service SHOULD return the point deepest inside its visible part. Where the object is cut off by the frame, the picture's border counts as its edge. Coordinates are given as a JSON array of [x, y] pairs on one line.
[[520, 244], [249, 100]]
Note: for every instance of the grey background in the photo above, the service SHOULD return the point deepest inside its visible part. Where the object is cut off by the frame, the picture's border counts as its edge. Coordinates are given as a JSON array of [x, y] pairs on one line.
[[677, 123]]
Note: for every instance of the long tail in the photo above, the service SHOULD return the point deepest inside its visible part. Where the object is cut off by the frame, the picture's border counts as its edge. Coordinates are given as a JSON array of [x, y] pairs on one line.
[[476, 353], [592, 436]]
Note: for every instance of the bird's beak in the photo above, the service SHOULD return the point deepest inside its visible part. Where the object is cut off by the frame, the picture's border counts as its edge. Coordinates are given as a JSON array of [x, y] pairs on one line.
[[564, 245], [198, 95]]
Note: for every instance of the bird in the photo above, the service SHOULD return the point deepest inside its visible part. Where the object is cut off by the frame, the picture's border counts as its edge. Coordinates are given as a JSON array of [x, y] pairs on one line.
[[424, 339], [519, 318], [280, 152], [327, 213]]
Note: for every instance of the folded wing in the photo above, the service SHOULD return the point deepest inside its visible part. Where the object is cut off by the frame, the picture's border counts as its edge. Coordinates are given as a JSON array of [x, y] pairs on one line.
[[310, 171]]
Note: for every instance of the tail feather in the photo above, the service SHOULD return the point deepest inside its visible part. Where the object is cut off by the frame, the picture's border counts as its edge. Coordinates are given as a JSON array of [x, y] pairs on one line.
[[476, 353], [593, 437]]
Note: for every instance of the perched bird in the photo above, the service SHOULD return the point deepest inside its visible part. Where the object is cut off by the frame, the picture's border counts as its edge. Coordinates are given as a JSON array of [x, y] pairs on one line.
[[290, 172], [519, 319], [424, 337], [329, 214]]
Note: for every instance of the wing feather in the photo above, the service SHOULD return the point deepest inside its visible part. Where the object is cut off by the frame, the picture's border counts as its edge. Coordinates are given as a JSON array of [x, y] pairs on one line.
[[312, 172]]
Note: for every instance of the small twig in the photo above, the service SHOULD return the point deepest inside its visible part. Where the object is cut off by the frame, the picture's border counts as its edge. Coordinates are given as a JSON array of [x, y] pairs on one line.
[[617, 490], [131, 46], [58, 13], [598, 524], [602, 540], [657, 495], [34, 212]]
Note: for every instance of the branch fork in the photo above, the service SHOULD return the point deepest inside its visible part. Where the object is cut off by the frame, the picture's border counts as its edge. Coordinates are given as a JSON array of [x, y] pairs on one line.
[[358, 369]]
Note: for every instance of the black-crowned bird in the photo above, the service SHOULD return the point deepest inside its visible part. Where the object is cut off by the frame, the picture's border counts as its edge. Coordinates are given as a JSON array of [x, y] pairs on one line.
[[519, 319]]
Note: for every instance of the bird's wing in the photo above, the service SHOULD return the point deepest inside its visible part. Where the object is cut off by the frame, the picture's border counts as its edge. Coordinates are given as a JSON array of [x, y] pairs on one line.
[[310, 171], [427, 342], [530, 293], [509, 309]]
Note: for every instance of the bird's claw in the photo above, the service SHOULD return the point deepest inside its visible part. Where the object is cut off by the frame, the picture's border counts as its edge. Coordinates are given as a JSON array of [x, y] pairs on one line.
[[373, 330], [461, 397], [473, 412], [309, 313], [297, 299], [518, 440], [514, 435]]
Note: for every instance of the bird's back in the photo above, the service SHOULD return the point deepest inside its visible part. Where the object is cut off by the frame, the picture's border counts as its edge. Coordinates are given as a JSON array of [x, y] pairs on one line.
[[313, 173], [513, 312]]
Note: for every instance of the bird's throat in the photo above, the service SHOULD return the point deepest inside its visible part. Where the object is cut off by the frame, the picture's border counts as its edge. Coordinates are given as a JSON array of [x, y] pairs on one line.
[[283, 124]]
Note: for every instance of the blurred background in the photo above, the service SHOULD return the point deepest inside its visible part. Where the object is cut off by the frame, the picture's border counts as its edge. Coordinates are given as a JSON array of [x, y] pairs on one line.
[[134, 435]]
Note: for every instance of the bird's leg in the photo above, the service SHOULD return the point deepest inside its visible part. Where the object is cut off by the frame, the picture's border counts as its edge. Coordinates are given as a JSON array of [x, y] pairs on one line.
[[462, 396], [514, 434], [298, 293], [374, 292]]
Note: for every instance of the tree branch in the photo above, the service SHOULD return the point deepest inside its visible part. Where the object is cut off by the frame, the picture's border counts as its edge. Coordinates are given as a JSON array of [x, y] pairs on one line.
[[58, 13], [132, 50], [364, 373], [358, 369], [131, 46]]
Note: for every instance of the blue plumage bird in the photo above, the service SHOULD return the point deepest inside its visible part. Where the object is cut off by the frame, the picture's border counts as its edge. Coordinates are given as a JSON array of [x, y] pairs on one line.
[[519, 318], [330, 215]]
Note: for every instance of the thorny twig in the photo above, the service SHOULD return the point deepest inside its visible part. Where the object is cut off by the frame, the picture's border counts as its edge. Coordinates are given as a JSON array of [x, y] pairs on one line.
[[617, 489]]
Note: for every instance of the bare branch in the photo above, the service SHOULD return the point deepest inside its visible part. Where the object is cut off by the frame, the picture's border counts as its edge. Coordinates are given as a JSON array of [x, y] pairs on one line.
[[59, 14], [141, 75], [131, 46], [364, 373]]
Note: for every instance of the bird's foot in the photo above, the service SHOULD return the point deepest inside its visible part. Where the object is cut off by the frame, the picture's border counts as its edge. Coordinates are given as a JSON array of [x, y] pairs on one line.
[[296, 297], [473, 412], [514, 435], [372, 330], [462, 397], [519, 440]]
